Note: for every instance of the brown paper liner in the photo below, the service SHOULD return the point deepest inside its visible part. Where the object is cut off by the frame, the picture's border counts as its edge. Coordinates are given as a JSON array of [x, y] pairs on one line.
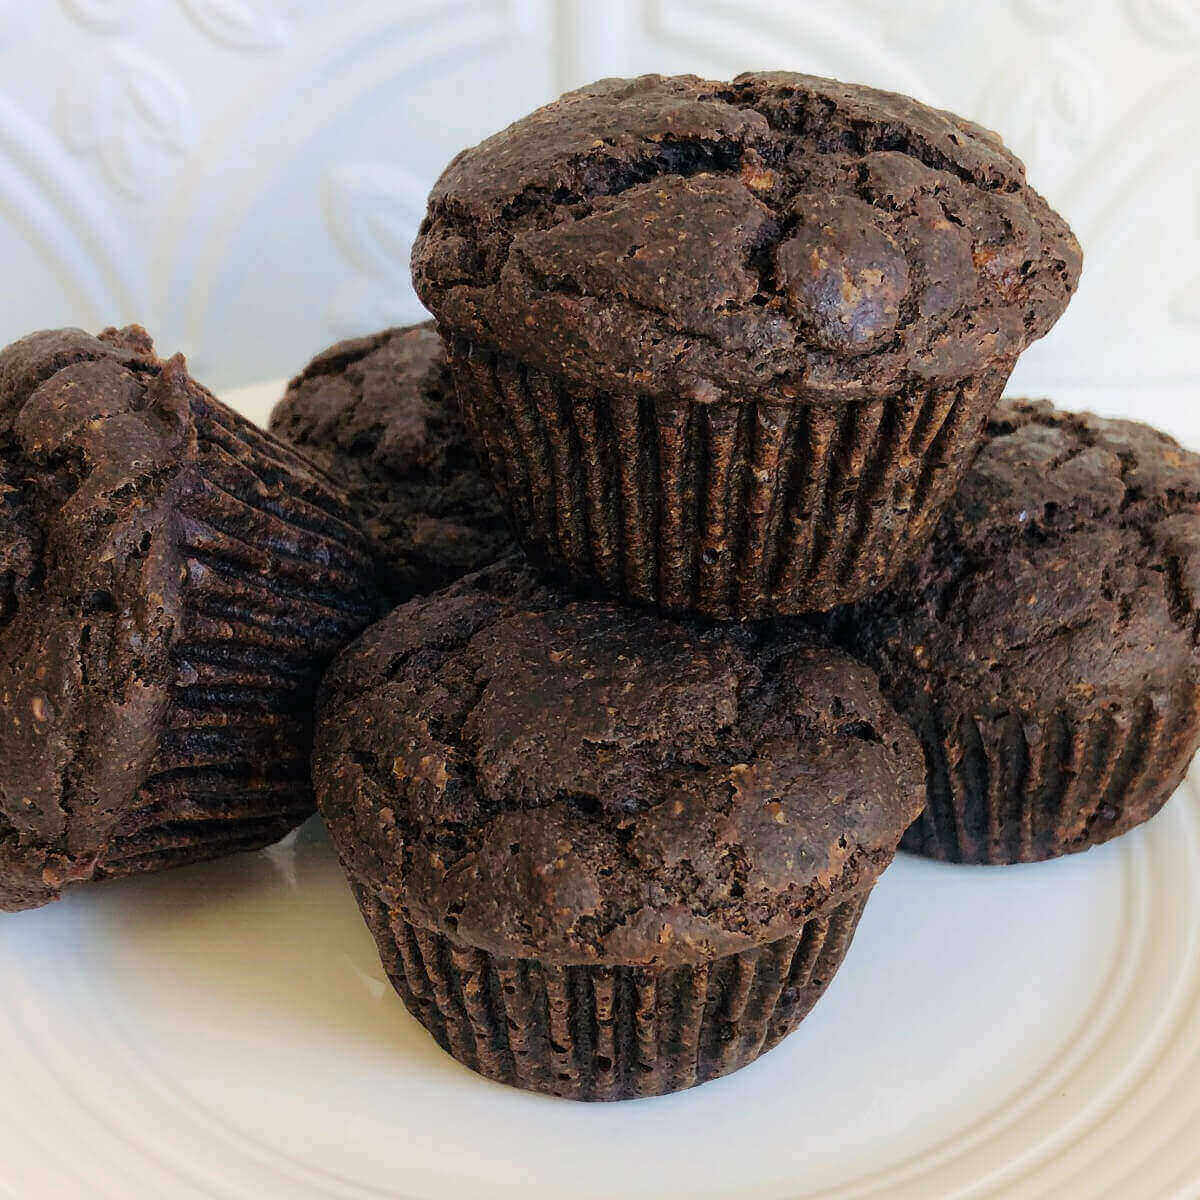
[[728, 510], [612, 1032], [276, 582], [1025, 788]]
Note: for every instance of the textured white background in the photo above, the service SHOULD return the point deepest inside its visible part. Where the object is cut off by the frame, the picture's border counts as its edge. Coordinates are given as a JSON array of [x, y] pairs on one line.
[[245, 176]]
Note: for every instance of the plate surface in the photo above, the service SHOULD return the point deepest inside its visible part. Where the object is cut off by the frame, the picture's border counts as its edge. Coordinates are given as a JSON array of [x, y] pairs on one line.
[[227, 1031]]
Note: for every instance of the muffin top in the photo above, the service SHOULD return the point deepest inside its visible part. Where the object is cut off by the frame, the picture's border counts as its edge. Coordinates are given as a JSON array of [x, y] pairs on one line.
[[380, 416], [99, 445], [1067, 570], [678, 236], [542, 776]]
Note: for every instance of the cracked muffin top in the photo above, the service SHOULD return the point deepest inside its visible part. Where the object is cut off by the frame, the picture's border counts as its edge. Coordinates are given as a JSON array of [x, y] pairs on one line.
[[1067, 570], [542, 776], [674, 235], [88, 590], [102, 448], [379, 415]]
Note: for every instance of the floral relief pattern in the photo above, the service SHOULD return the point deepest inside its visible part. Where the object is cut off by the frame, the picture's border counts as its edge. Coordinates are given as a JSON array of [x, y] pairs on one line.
[[373, 211], [1053, 16], [247, 24], [131, 114], [904, 21], [104, 16], [1174, 24], [1184, 305], [1047, 107]]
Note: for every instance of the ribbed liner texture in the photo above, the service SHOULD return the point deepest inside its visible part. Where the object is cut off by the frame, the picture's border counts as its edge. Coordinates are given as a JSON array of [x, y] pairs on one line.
[[1028, 788], [729, 510], [276, 583], [609, 1033]]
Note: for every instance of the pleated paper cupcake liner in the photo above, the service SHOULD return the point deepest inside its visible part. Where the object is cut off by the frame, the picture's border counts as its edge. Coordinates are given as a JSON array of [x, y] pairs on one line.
[[1026, 787], [728, 510], [277, 581], [609, 1032]]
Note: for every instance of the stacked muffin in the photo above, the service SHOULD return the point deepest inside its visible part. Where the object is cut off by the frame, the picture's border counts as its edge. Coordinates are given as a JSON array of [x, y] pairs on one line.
[[728, 348], [727, 353], [725, 361]]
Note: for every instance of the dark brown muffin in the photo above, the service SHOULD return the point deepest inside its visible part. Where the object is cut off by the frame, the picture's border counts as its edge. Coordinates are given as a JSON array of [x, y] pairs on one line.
[[728, 347], [603, 854], [172, 582], [1045, 646], [380, 416]]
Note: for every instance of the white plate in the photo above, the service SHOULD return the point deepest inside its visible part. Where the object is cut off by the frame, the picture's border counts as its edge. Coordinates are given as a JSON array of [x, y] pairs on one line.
[[227, 1031]]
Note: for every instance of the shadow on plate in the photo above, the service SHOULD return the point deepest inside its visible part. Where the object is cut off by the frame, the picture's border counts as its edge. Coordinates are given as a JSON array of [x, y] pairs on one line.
[[265, 940]]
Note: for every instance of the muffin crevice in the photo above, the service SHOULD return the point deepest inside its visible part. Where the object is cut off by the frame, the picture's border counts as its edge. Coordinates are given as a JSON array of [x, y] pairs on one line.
[[378, 416]]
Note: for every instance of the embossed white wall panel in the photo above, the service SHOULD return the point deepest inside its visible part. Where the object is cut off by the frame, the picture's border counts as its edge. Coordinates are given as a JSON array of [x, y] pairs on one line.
[[245, 176], [242, 176]]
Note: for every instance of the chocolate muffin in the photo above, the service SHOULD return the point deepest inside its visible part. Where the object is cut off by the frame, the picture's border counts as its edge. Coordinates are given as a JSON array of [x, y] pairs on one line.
[[728, 347], [172, 583], [605, 855], [1045, 646], [380, 416]]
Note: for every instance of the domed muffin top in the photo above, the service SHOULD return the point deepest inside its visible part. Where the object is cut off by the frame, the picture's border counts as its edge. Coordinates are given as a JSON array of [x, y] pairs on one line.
[[379, 415], [1066, 570], [542, 776], [674, 235]]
